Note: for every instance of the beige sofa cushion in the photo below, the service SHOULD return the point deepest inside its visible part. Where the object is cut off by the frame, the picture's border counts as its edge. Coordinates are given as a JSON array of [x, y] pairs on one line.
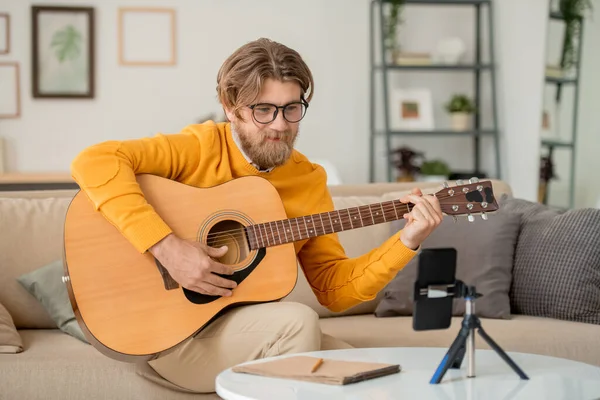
[[10, 340], [572, 340], [31, 238], [356, 242]]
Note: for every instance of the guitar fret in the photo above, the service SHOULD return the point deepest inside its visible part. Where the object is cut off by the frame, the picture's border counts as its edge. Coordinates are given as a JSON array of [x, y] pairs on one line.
[[371, 211], [291, 230], [383, 212], [395, 210], [313, 225], [340, 219], [304, 220], [331, 222], [298, 225], [278, 234], [321, 218], [283, 227], [350, 217]]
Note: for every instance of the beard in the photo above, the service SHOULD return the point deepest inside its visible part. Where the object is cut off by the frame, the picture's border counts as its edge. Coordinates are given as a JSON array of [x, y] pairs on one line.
[[263, 151]]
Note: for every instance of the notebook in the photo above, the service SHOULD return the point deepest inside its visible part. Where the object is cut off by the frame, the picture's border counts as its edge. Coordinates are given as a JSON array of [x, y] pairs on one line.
[[333, 372]]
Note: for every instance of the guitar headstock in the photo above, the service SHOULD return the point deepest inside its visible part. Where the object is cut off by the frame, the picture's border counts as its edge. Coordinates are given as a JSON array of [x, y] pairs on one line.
[[468, 199]]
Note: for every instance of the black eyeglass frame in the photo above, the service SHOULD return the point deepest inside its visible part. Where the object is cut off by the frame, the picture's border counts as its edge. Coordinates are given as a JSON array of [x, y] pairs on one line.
[[276, 113]]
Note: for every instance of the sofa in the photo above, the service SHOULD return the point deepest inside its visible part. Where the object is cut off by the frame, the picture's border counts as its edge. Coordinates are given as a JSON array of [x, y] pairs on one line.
[[51, 364]]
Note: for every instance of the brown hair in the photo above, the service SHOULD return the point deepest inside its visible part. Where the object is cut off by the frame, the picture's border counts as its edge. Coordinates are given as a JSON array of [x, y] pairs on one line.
[[240, 78]]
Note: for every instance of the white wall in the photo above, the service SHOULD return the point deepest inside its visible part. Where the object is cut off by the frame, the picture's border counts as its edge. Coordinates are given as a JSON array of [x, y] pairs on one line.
[[138, 101]]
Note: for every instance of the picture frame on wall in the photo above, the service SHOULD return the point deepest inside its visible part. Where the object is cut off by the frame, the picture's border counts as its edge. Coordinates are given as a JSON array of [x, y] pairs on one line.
[[4, 33], [147, 36], [411, 109], [10, 90], [63, 52]]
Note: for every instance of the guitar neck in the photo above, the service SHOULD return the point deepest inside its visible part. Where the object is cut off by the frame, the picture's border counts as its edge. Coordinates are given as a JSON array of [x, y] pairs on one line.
[[294, 229]]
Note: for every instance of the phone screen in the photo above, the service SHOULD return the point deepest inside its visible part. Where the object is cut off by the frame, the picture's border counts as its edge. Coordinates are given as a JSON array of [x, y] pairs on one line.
[[433, 310]]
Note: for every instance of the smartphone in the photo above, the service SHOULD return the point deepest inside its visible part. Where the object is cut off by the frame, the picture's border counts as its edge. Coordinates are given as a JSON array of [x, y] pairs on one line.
[[434, 287]]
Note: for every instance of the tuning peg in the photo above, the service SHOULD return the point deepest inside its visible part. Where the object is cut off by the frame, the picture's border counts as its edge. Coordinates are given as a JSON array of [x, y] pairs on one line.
[[445, 185], [484, 216], [455, 219], [459, 182], [470, 217], [474, 180]]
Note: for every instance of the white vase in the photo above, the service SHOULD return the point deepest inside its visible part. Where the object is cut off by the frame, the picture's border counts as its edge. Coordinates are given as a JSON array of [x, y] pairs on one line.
[[461, 121]]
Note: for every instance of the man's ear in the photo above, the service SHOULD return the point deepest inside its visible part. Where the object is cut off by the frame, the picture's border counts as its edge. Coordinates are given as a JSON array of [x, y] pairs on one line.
[[229, 114]]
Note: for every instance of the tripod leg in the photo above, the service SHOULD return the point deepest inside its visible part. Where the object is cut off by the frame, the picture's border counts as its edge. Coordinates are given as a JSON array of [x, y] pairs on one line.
[[501, 352], [450, 357], [460, 355]]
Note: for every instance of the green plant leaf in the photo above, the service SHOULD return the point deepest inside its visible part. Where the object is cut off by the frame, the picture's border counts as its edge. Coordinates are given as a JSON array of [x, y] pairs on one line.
[[66, 43]]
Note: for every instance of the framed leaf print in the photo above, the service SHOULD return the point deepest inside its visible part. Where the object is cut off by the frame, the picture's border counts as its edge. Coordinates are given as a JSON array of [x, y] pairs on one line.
[[62, 52]]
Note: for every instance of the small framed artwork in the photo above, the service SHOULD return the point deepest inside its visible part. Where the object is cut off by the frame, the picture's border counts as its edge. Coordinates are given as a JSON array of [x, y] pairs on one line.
[[4, 33], [10, 90], [62, 52], [147, 36], [412, 109]]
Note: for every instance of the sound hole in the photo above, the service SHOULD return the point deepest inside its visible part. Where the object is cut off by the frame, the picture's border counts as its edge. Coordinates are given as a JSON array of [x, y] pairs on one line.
[[233, 235]]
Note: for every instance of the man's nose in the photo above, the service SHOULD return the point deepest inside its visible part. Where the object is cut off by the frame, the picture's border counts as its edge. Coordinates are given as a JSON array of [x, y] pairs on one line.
[[279, 123]]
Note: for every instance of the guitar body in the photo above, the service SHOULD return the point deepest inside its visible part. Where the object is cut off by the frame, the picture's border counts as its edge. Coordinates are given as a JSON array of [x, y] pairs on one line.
[[127, 304]]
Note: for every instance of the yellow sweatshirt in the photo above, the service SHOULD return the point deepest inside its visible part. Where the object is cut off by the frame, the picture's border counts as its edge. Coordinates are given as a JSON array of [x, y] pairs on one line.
[[206, 155]]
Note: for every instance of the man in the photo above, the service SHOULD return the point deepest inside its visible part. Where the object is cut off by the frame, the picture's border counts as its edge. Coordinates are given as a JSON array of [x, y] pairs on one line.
[[265, 89]]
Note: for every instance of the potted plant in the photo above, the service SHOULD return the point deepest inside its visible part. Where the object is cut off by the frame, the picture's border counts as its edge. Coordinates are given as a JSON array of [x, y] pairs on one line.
[[460, 108], [391, 22], [434, 171]]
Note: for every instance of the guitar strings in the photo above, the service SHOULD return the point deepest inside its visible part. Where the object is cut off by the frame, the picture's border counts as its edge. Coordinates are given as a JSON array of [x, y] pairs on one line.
[[384, 205], [218, 238]]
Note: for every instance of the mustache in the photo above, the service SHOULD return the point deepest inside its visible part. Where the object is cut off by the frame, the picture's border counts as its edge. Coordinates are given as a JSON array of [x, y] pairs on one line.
[[277, 135]]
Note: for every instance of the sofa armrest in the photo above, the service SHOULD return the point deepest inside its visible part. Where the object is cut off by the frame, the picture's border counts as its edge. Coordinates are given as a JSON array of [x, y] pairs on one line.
[[10, 340]]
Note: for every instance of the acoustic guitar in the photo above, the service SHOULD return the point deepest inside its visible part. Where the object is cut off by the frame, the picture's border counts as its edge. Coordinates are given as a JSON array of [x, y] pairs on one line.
[[130, 308]]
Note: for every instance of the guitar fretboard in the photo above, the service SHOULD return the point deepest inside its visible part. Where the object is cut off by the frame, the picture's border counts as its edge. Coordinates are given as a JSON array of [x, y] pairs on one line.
[[275, 233]]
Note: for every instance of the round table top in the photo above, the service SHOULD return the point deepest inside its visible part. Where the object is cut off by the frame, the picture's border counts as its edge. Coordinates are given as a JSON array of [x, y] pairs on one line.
[[549, 378]]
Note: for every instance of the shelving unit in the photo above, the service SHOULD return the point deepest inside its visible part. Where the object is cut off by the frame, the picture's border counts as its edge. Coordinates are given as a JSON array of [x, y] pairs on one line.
[[479, 66], [569, 145]]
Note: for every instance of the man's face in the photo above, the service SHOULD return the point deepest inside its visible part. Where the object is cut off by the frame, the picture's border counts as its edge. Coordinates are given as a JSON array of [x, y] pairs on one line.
[[269, 144]]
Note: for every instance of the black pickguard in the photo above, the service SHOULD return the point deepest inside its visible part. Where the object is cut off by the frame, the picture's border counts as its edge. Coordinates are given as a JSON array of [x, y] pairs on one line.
[[238, 277]]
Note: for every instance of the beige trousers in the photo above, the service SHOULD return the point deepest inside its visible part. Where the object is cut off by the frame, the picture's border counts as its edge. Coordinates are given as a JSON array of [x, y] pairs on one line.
[[242, 334]]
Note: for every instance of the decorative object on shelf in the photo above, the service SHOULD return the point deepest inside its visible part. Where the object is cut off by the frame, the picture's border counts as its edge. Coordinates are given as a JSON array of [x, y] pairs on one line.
[[449, 51], [147, 36], [413, 59], [10, 90], [4, 33], [391, 22], [461, 108], [546, 174], [434, 170], [572, 12], [404, 160], [412, 109], [63, 52]]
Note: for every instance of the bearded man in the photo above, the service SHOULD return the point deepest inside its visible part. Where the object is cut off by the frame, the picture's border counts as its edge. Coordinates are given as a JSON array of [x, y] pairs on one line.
[[265, 89]]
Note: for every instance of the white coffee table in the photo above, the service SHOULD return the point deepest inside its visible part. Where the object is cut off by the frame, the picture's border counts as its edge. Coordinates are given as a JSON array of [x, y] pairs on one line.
[[549, 378]]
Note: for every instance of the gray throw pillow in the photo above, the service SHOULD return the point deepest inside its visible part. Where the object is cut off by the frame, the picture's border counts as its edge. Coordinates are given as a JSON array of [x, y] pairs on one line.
[[46, 285], [557, 262], [485, 251]]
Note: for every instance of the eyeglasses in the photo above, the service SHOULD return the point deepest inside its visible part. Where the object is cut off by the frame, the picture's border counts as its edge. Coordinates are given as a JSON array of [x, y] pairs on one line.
[[265, 113]]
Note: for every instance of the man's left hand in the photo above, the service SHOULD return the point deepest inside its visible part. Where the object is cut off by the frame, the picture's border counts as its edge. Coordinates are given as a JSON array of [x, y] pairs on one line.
[[424, 217]]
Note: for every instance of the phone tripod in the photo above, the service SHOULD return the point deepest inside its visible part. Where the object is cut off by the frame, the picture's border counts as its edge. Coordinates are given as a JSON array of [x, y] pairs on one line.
[[465, 340]]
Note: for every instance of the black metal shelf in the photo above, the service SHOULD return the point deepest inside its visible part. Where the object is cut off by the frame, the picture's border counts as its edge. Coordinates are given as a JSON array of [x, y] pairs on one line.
[[557, 143], [441, 2], [437, 67], [561, 81], [440, 132], [380, 67]]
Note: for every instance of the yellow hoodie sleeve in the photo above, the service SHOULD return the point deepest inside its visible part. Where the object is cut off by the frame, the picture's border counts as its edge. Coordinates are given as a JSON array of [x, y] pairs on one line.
[[106, 173], [340, 282]]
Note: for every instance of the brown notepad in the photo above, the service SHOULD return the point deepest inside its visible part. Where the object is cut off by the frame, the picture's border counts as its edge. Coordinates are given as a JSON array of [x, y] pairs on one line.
[[333, 372]]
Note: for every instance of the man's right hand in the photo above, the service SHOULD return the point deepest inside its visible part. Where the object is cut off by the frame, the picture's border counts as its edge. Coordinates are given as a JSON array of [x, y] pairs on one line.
[[191, 265]]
